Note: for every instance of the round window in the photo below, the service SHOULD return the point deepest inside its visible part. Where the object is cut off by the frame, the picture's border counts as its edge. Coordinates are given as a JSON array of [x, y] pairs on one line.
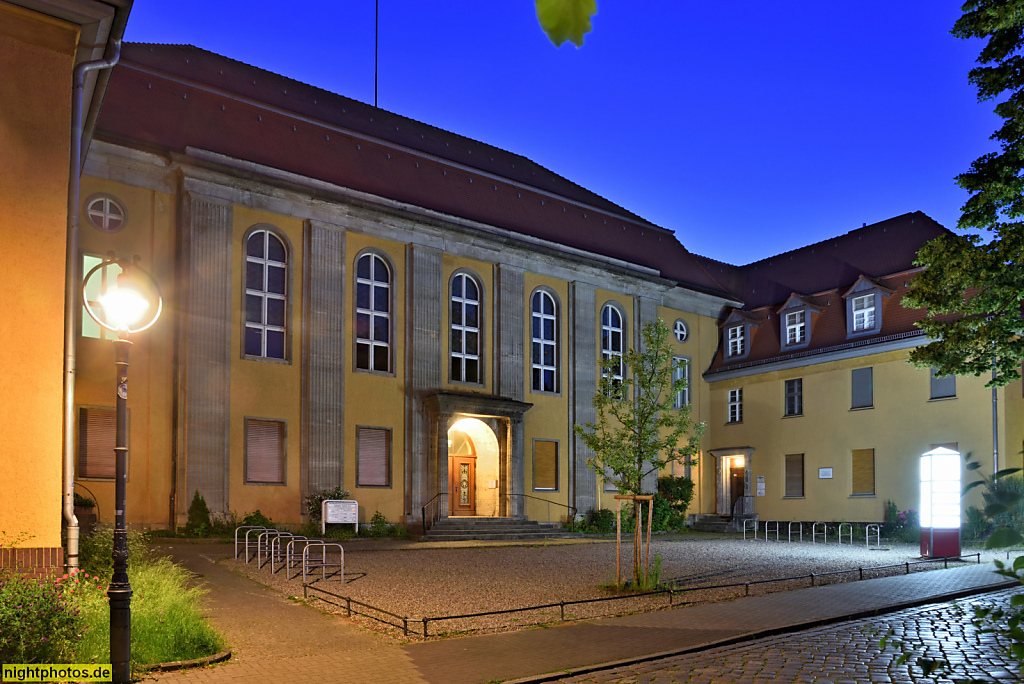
[[105, 213], [680, 330]]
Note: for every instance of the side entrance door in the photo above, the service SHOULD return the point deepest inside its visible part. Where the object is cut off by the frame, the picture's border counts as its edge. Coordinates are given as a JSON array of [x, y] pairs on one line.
[[462, 485]]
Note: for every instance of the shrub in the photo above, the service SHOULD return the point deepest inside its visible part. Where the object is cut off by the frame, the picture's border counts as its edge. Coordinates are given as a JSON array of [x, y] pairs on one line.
[[95, 551], [199, 522], [674, 497], [83, 501], [314, 502], [601, 520], [39, 622], [976, 526], [1011, 495], [379, 526], [257, 518]]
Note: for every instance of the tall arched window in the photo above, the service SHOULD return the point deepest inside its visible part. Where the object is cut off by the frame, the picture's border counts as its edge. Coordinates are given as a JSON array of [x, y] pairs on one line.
[[266, 296], [465, 326], [545, 342], [611, 344], [373, 313]]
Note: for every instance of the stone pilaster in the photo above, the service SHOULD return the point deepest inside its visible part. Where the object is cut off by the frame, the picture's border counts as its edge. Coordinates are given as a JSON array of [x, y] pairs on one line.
[[582, 386]]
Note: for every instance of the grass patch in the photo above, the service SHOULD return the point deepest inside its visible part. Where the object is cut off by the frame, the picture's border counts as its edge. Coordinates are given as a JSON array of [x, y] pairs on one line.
[[167, 621]]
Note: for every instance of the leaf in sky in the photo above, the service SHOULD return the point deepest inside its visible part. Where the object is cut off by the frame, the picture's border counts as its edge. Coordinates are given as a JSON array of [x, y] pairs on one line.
[[565, 20]]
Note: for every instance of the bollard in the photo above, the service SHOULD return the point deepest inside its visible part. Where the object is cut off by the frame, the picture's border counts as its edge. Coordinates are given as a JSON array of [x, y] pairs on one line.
[[746, 589], [561, 608], [861, 572], [908, 567], [348, 606], [812, 579], [425, 621], [405, 626]]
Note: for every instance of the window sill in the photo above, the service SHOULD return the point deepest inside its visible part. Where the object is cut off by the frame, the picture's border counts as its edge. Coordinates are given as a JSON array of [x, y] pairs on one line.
[[359, 486], [547, 491], [941, 398], [547, 394], [862, 496], [793, 415], [793, 497], [734, 422], [266, 359], [862, 408], [265, 484], [382, 374]]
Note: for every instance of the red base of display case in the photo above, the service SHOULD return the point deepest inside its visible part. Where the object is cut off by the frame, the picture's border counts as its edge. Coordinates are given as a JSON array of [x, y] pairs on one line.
[[940, 543]]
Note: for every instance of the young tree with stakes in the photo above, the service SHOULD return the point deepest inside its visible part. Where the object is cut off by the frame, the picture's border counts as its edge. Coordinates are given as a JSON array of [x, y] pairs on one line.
[[639, 430]]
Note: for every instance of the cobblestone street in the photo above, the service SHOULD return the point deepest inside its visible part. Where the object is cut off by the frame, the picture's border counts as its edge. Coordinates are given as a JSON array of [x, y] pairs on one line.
[[843, 653]]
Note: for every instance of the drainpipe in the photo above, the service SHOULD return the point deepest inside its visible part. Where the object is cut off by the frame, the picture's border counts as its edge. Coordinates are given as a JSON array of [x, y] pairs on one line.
[[995, 421], [71, 286]]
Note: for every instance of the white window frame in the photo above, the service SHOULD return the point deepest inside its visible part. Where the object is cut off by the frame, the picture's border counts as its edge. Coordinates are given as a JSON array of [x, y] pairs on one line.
[[736, 405], [796, 327], [462, 331], [366, 339], [609, 333], [681, 370], [794, 390], [543, 343], [680, 330], [863, 310], [265, 296], [737, 340]]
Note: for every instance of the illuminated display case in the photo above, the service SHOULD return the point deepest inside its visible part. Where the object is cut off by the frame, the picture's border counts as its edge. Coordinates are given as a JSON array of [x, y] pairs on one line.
[[940, 503]]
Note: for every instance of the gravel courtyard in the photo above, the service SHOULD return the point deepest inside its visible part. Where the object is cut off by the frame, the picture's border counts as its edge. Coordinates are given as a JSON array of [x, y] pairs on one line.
[[431, 580]]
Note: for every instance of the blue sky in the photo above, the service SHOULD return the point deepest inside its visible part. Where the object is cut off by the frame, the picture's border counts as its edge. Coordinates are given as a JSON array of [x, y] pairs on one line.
[[749, 128]]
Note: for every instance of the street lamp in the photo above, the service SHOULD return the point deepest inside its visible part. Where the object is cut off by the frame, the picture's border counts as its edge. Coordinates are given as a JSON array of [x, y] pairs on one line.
[[129, 305]]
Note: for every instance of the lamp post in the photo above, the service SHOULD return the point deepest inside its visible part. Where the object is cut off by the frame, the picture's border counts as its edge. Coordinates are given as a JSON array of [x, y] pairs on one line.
[[129, 305]]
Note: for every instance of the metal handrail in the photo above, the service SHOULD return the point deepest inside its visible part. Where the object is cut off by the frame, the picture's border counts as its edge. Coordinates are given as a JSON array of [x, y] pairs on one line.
[[767, 529], [800, 527], [814, 532], [878, 535], [849, 532], [572, 509], [754, 521], [423, 511], [245, 527]]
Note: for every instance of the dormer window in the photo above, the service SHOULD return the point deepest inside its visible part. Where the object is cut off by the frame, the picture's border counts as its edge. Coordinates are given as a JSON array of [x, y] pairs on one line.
[[796, 327], [737, 341], [863, 313], [864, 307]]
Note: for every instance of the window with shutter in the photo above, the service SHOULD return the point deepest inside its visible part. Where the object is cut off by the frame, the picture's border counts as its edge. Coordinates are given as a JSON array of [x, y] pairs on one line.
[[863, 471], [264, 451], [794, 474], [863, 391], [545, 464], [942, 386], [373, 457], [96, 433]]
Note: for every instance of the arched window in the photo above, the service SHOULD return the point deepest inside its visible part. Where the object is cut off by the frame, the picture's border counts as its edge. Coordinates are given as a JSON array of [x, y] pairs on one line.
[[373, 313], [611, 344], [465, 326], [545, 342], [266, 296]]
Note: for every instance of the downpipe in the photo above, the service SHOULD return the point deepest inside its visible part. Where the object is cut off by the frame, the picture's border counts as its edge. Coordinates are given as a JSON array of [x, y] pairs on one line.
[[71, 288]]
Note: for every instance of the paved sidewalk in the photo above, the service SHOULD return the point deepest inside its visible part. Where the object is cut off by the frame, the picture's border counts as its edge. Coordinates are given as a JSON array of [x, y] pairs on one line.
[[273, 637]]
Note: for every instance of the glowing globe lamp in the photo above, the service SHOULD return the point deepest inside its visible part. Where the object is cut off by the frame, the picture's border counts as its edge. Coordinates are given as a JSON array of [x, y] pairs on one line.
[[940, 503]]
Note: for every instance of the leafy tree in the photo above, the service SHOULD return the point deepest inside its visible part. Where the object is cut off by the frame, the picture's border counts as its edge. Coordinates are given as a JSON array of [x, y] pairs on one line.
[[973, 289], [565, 20], [638, 429]]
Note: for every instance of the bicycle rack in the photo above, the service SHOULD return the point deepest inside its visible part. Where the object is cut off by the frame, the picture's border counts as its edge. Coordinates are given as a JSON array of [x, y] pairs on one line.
[[322, 563], [849, 532], [245, 527], [800, 527], [293, 562], [265, 544], [824, 532], [749, 520], [277, 549], [878, 535], [258, 531], [767, 524]]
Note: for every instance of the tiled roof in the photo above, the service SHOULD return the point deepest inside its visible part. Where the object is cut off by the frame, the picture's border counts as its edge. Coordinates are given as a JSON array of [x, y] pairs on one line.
[[827, 329], [172, 97], [877, 250]]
